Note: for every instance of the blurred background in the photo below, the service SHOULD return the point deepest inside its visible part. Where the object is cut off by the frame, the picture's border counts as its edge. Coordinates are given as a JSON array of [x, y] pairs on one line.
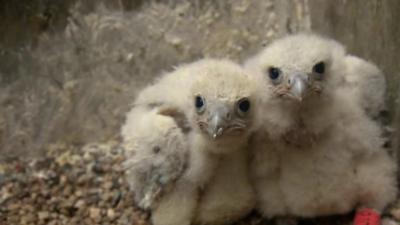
[[69, 70]]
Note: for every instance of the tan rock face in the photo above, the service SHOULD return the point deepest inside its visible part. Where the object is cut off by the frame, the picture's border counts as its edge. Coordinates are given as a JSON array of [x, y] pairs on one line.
[[77, 81], [88, 59]]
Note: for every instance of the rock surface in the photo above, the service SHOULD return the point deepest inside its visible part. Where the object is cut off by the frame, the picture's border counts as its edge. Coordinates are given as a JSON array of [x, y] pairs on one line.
[[74, 83]]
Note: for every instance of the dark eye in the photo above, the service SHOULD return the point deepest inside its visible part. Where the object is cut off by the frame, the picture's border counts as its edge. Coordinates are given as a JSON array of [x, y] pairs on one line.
[[199, 103], [156, 149], [274, 73], [243, 106], [319, 68]]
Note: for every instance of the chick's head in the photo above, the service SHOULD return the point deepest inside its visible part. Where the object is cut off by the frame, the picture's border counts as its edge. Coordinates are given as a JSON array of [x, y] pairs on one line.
[[223, 102], [299, 68]]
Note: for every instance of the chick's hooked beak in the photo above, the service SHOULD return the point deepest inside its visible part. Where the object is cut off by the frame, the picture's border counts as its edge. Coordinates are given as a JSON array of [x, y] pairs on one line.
[[218, 121], [298, 86]]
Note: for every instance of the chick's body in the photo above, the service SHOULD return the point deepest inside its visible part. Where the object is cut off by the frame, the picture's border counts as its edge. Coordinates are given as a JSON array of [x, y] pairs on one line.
[[317, 151], [209, 101], [332, 175], [229, 195]]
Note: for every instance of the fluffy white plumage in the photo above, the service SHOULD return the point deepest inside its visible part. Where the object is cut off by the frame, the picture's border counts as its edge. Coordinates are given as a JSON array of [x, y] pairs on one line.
[[211, 101], [317, 151], [157, 154], [366, 80]]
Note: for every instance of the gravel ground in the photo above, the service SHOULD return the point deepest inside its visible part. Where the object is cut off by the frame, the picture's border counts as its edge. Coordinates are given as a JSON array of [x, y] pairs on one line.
[[74, 186], [85, 185]]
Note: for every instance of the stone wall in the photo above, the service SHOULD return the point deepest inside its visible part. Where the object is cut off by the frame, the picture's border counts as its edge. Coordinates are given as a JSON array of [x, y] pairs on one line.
[[73, 79], [70, 69]]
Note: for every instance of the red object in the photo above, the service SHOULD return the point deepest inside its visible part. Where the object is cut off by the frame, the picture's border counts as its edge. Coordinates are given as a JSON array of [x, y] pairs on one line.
[[367, 216]]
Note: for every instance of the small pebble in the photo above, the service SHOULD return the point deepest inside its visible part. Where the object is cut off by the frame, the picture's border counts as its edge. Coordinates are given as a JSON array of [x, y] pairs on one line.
[[111, 214], [95, 213], [43, 215]]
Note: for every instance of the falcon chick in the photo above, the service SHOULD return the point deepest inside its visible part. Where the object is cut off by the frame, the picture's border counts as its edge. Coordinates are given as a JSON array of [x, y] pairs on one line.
[[212, 103], [317, 151]]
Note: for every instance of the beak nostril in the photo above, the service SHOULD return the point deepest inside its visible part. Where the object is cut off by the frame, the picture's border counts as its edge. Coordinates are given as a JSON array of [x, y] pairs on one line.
[[228, 116]]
